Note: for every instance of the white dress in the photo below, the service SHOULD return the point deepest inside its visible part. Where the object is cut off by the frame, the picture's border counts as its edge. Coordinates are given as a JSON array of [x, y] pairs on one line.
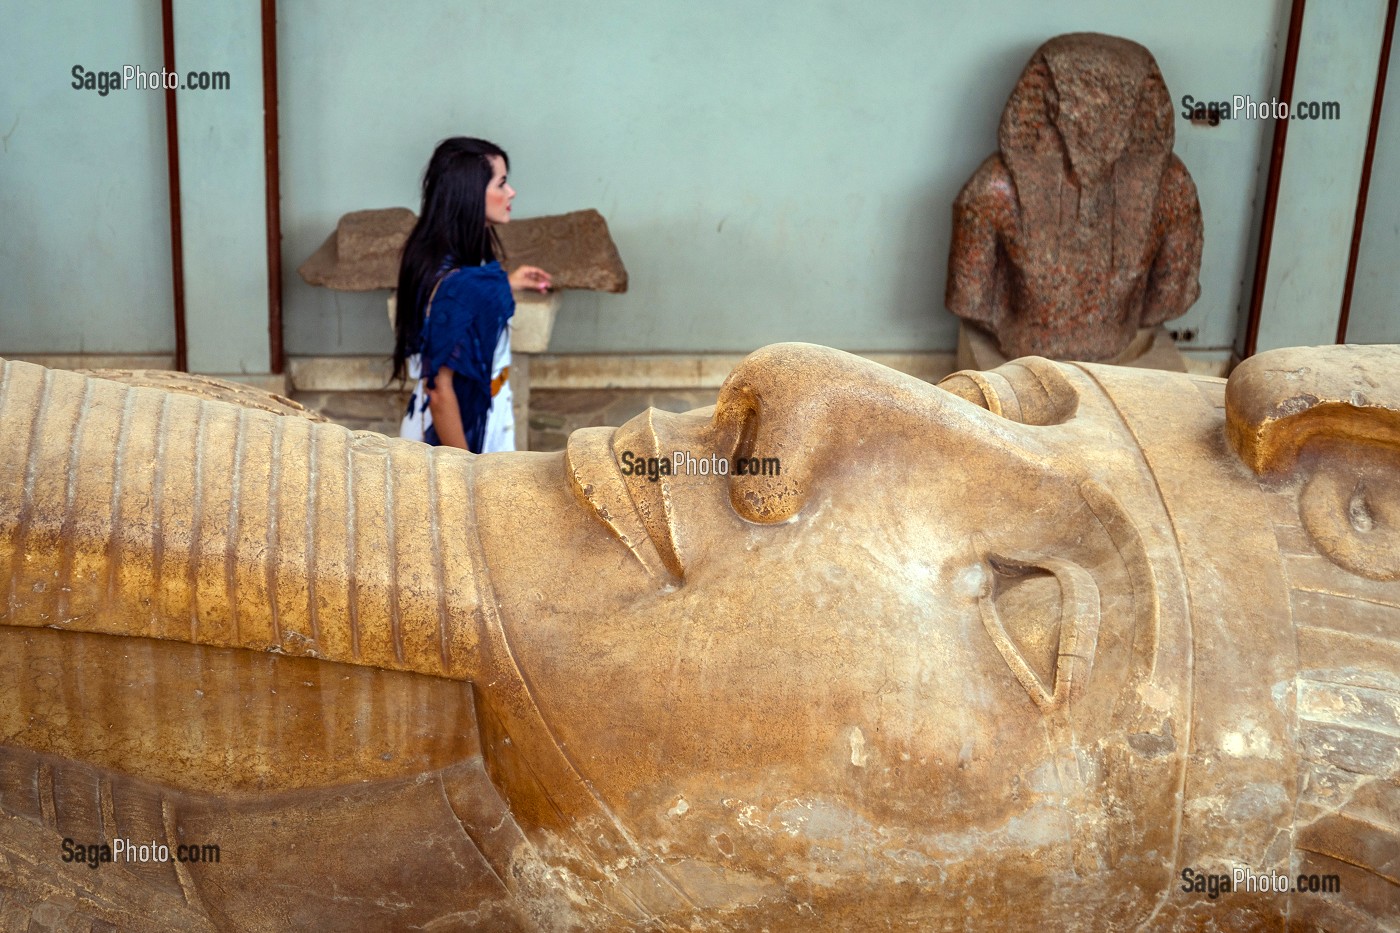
[[500, 418]]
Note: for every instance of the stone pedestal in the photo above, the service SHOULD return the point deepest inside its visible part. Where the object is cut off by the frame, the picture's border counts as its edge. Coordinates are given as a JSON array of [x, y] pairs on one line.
[[1152, 348], [529, 334]]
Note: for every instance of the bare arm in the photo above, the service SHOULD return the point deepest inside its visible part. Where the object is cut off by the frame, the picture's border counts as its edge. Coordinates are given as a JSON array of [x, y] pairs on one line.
[[447, 416]]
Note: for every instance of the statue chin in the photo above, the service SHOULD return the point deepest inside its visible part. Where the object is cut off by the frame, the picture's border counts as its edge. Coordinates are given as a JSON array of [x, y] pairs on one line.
[[1037, 647]]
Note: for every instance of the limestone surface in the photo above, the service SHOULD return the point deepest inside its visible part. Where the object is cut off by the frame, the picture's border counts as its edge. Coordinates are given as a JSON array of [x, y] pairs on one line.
[[363, 253], [208, 387], [1085, 226], [575, 248], [1054, 646]]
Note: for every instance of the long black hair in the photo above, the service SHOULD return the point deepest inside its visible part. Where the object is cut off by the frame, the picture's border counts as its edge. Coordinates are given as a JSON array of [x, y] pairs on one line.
[[451, 226]]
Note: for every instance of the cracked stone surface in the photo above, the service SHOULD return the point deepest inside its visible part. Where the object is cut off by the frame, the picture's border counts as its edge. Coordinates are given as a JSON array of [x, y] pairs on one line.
[[1031, 649]]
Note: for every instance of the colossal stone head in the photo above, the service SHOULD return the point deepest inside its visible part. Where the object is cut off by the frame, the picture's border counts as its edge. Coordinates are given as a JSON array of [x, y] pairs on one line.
[[1084, 227], [1014, 651]]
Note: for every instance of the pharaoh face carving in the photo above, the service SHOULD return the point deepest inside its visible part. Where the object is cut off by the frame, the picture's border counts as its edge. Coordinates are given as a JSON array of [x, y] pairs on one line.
[[849, 651], [988, 636]]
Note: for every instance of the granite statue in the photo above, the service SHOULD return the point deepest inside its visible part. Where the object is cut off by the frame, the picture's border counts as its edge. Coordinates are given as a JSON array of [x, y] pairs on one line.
[[1055, 646], [1085, 227]]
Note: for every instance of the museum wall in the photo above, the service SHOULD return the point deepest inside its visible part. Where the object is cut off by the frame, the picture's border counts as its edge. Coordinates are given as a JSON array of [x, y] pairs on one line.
[[222, 194], [84, 207], [782, 172], [1375, 303], [1321, 176], [774, 174]]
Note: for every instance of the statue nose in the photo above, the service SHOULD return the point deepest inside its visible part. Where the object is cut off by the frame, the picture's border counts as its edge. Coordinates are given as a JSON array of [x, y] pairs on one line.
[[796, 410]]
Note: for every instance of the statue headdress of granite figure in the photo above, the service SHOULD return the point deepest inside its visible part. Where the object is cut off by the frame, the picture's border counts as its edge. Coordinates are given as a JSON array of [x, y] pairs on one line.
[[1085, 226]]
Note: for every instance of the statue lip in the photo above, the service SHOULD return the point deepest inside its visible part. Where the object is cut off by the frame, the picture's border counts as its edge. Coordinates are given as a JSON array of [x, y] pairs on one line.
[[628, 511]]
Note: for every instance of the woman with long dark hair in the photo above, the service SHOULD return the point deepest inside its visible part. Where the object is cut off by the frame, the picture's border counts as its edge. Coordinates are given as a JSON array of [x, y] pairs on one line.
[[452, 334]]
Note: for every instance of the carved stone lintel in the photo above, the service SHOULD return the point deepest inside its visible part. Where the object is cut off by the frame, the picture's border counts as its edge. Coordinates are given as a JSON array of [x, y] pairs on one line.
[[575, 248]]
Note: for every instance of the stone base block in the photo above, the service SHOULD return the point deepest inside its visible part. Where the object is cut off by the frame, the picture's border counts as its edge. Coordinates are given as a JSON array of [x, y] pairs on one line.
[[1152, 348]]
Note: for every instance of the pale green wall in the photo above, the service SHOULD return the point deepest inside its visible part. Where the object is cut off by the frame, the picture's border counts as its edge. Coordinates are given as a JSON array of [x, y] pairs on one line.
[[1375, 304], [84, 208], [774, 171], [1337, 60], [771, 172], [223, 206], [85, 263]]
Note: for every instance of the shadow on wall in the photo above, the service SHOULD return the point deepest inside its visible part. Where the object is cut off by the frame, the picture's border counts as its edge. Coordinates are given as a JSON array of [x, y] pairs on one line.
[[333, 322]]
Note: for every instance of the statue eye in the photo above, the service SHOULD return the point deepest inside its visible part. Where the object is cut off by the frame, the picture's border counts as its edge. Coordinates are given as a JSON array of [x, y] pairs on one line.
[[1043, 616], [1030, 390]]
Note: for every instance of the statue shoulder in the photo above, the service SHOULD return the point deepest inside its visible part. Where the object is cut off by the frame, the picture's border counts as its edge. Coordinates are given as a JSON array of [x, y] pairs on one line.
[[990, 192], [1177, 180], [992, 180]]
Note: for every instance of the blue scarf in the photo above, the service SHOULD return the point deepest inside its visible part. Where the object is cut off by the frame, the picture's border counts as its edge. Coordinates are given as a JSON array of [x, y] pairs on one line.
[[471, 309]]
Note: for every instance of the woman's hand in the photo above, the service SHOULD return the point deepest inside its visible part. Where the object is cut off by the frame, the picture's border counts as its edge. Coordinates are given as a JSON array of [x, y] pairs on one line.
[[530, 279]]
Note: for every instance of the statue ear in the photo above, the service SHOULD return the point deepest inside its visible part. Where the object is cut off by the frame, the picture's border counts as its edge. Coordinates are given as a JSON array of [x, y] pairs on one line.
[[1030, 390], [1043, 616], [1329, 416]]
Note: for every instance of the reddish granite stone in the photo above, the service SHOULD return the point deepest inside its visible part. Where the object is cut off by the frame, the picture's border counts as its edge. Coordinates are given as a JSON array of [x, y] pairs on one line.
[[1085, 227]]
